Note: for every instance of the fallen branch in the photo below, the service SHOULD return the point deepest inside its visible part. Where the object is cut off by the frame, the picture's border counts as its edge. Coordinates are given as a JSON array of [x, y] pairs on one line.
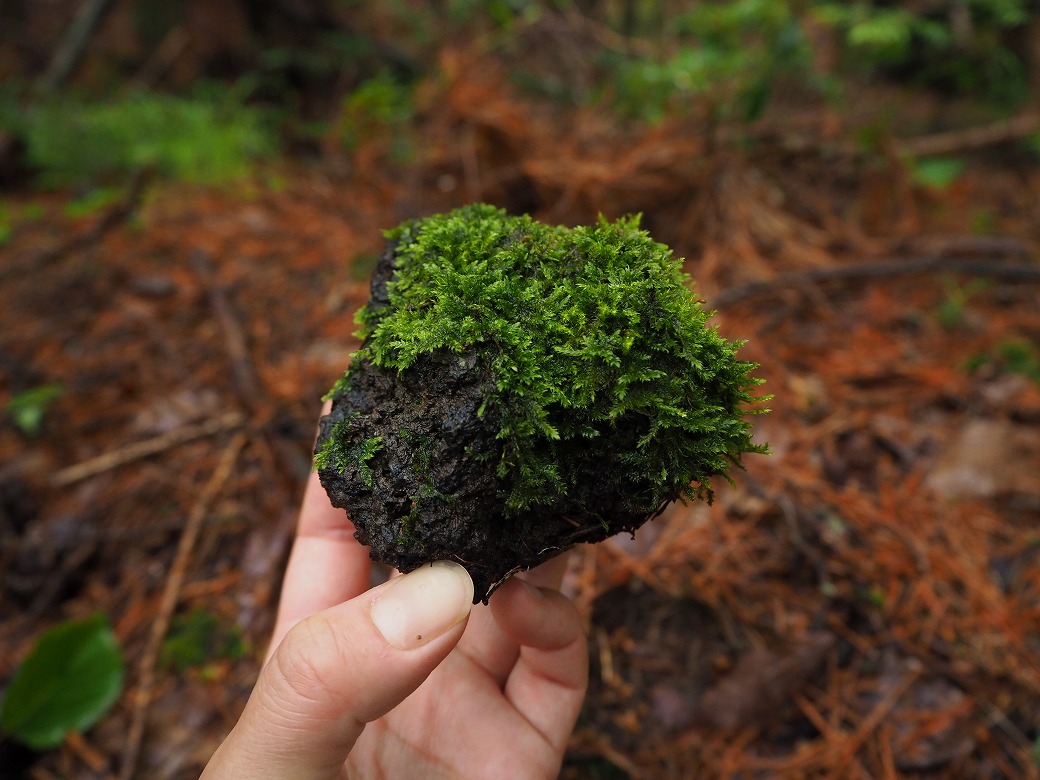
[[170, 596], [877, 270], [968, 138], [163, 58], [964, 139], [87, 19], [247, 386], [143, 449]]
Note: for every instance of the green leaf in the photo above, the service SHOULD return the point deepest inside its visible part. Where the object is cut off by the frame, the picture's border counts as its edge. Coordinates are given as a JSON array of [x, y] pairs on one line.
[[884, 30], [67, 683], [27, 407], [937, 172]]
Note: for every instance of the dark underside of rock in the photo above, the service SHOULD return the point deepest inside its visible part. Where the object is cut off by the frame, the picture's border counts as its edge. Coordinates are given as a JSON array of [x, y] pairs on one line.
[[428, 491]]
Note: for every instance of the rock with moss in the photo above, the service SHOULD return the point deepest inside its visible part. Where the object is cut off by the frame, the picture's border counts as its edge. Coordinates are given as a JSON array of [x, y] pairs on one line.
[[522, 388]]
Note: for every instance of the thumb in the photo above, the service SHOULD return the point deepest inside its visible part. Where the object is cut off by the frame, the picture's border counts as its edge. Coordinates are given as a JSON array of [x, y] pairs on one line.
[[340, 669]]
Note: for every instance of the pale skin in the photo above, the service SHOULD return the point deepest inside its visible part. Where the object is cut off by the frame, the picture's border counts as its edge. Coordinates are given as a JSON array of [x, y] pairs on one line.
[[364, 683]]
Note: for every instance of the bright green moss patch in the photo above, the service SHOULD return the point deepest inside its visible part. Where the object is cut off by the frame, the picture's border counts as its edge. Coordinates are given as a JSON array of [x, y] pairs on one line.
[[594, 344], [339, 452]]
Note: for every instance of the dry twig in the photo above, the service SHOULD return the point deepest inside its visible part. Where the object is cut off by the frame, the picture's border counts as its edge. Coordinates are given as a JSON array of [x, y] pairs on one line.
[[170, 596], [88, 16], [968, 138], [234, 337], [163, 58], [961, 140], [877, 270], [248, 387], [143, 449]]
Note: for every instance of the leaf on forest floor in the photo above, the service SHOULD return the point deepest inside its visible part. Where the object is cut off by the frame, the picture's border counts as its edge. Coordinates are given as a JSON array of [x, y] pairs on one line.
[[989, 458], [762, 684], [937, 173], [66, 683]]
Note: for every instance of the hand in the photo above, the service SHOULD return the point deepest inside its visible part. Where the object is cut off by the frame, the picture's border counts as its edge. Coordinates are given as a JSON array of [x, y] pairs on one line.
[[404, 680]]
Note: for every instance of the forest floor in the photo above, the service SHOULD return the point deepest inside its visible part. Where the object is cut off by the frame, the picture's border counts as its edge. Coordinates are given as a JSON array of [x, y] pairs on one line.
[[862, 603]]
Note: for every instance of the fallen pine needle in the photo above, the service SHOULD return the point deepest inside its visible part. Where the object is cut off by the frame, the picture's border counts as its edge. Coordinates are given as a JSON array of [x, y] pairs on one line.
[[855, 741], [94, 759]]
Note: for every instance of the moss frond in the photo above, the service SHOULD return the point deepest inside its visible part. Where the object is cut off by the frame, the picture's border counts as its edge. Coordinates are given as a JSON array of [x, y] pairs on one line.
[[340, 452]]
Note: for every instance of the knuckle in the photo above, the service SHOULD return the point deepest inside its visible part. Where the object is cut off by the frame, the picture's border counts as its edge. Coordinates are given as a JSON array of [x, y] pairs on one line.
[[308, 659]]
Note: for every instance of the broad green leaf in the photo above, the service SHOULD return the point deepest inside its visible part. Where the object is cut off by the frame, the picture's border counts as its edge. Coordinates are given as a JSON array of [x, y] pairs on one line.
[[68, 681], [937, 172]]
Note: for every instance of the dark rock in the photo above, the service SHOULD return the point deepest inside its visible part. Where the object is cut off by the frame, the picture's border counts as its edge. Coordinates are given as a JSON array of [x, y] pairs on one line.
[[430, 491]]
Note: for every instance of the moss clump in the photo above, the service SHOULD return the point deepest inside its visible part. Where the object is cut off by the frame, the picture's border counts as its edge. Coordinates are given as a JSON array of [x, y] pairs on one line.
[[584, 389], [340, 451]]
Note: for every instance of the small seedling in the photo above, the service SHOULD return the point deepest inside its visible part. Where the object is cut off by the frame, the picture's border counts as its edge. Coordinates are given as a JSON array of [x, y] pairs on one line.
[[951, 312], [522, 388], [199, 638], [6, 224], [93, 202], [28, 407], [1011, 356], [936, 173]]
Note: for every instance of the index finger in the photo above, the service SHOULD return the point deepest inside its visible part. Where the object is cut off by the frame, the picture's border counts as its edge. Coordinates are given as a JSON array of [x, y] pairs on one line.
[[547, 685], [327, 565]]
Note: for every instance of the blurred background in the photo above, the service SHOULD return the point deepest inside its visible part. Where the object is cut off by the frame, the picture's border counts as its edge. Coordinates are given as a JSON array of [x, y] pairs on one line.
[[192, 198]]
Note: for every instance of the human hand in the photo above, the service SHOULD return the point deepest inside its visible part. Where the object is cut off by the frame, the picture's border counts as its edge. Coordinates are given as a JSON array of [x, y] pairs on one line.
[[404, 680]]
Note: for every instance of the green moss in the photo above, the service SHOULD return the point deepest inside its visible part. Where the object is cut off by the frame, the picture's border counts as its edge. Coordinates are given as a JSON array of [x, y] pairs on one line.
[[341, 386], [591, 335], [406, 533], [421, 448], [337, 452]]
